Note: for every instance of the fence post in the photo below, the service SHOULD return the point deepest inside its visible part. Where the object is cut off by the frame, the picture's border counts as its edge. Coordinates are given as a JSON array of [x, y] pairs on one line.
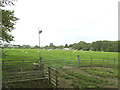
[[103, 62], [43, 69], [22, 65], [107, 62], [78, 60], [56, 78], [21, 69], [40, 60], [49, 74], [114, 62], [41, 66], [3, 62], [91, 61]]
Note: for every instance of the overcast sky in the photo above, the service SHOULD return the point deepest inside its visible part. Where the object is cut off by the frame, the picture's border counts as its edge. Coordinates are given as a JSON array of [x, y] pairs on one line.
[[65, 21]]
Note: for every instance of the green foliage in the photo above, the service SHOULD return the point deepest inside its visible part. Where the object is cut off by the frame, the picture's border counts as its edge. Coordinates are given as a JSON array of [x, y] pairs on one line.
[[107, 46], [36, 46], [51, 46], [80, 45], [3, 3], [66, 46], [4, 53], [8, 22]]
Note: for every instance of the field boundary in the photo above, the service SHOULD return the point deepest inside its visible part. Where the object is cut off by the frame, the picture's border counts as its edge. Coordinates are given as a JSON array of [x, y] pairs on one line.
[[81, 62]]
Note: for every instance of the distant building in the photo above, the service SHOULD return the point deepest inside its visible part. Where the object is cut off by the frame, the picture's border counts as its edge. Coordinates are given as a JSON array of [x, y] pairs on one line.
[[2, 45], [16, 46], [10, 46], [66, 49], [26, 46]]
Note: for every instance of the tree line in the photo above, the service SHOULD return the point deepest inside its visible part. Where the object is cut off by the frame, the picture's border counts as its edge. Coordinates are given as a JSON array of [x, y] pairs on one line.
[[106, 46]]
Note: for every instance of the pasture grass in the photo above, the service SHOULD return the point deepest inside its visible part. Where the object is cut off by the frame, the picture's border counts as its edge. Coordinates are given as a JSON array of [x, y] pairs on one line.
[[102, 72], [33, 54], [81, 80], [61, 58], [93, 79]]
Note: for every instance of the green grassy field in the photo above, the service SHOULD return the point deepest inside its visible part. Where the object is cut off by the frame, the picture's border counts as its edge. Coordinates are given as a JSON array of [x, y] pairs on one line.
[[67, 63], [59, 58], [32, 54]]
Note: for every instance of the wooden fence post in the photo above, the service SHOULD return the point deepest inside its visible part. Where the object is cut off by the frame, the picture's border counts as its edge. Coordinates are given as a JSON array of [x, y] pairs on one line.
[[21, 69], [22, 64], [41, 65], [103, 62], [56, 78], [78, 60], [91, 61], [40, 60], [49, 74], [3, 66], [114, 62], [107, 62], [43, 70]]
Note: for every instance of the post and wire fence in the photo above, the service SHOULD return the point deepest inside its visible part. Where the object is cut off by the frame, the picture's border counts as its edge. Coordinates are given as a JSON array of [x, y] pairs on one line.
[[81, 62]]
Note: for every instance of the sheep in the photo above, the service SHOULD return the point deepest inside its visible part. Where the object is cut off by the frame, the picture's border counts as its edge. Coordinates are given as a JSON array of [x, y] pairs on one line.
[[74, 51], [49, 50]]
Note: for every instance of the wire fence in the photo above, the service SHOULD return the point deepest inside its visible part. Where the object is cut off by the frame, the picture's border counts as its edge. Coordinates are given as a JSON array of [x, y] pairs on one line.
[[81, 62]]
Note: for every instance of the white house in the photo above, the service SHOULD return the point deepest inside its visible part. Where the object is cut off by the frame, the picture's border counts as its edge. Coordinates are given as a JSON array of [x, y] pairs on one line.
[[10, 46], [66, 49]]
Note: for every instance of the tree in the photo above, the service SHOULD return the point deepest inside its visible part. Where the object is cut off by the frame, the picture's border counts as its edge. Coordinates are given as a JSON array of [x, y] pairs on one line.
[[66, 46], [70, 45], [80, 45], [36, 46], [52, 46], [8, 21], [61, 47], [3, 3]]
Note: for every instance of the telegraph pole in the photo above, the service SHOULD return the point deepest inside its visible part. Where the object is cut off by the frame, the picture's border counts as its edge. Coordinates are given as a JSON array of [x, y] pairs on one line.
[[40, 31]]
